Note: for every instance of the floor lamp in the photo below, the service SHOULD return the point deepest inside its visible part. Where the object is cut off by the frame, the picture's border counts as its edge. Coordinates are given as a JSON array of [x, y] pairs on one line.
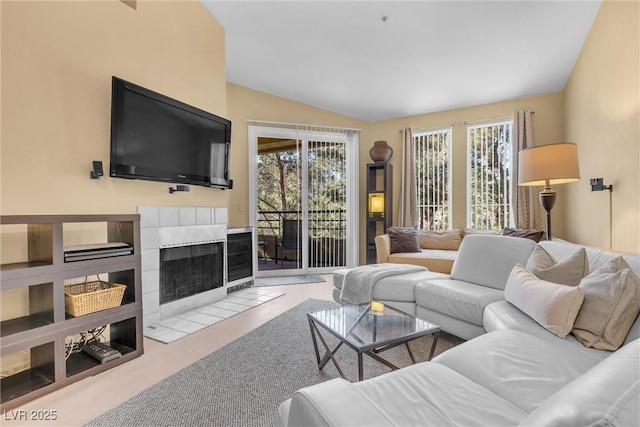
[[547, 165]]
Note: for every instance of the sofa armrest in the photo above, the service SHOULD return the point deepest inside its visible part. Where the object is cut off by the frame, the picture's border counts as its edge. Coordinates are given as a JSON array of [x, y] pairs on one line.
[[607, 394], [334, 403], [383, 248]]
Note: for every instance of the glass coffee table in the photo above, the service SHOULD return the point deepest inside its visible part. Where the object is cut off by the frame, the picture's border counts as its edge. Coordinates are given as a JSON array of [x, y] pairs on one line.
[[368, 329]]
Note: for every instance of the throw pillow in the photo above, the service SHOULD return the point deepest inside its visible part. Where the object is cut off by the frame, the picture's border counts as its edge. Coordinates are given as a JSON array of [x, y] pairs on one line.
[[552, 305], [568, 271], [527, 234], [611, 305], [403, 240], [445, 240]]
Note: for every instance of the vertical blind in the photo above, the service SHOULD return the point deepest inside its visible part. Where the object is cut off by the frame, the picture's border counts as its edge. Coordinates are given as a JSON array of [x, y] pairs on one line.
[[326, 180], [489, 175], [306, 175], [433, 161]]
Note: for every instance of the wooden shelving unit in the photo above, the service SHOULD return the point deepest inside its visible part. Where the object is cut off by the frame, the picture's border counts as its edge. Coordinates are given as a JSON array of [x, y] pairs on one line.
[[39, 335], [379, 180]]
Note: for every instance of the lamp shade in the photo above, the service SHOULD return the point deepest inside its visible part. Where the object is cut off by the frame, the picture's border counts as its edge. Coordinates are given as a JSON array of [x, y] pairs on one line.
[[376, 203], [548, 164]]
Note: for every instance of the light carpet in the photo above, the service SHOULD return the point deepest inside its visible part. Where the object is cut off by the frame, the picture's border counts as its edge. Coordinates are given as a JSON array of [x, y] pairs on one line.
[[243, 383], [288, 280]]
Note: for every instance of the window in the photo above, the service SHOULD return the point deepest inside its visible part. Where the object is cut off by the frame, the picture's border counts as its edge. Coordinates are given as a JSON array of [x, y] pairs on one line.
[[433, 162], [489, 175]]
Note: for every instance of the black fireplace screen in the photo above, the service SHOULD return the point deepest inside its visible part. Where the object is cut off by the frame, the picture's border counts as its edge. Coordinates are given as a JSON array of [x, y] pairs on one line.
[[190, 270]]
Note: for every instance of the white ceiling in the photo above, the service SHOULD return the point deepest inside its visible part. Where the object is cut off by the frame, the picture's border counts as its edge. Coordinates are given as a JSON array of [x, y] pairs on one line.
[[427, 56]]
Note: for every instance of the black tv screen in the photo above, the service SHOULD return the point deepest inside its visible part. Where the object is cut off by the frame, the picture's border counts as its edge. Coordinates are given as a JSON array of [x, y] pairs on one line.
[[158, 138]]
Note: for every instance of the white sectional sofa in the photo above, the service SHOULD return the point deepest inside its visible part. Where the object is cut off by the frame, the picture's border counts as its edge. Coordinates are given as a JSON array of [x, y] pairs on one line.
[[513, 371], [455, 302]]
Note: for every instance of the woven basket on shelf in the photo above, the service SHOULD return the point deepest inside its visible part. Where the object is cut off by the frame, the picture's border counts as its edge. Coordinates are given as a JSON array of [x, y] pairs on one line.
[[89, 297]]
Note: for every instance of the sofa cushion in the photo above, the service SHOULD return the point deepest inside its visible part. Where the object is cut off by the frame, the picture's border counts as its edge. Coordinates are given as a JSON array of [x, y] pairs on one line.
[[394, 288], [504, 315], [487, 260], [552, 305], [568, 271], [482, 231], [403, 240], [412, 396], [434, 259], [634, 332], [447, 240], [521, 368], [455, 298], [606, 395], [611, 305], [534, 235]]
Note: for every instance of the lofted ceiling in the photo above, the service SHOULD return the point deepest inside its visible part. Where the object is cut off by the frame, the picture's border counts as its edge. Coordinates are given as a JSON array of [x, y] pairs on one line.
[[377, 60]]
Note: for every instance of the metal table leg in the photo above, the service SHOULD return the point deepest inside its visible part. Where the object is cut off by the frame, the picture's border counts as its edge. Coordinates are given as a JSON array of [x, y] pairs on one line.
[[329, 353]]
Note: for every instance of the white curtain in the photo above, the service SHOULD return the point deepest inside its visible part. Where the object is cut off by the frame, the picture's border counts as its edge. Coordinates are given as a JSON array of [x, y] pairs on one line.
[[527, 210], [408, 210]]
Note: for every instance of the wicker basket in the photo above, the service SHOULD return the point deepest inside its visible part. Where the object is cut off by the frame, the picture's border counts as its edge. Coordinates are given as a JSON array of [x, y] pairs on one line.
[[89, 297]]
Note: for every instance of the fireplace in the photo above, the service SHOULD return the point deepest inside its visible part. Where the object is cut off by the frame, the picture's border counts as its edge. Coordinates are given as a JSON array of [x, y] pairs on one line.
[[184, 247], [190, 270]]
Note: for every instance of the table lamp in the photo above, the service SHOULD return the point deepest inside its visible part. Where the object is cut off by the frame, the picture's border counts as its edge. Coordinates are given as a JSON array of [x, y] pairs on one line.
[[547, 165]]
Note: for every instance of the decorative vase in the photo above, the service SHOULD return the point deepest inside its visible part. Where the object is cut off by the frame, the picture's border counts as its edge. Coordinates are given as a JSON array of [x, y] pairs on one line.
[[380, 152]]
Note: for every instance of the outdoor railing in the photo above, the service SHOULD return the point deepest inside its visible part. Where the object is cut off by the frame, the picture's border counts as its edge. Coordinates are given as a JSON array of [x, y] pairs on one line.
[[322, 223], [327, 231]]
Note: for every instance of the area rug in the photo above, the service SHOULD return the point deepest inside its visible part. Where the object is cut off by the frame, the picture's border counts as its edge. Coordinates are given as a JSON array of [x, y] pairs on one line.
[[243, 383], [288, 280]]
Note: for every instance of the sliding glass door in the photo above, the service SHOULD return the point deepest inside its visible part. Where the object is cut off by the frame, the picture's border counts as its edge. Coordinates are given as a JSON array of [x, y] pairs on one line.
[[303, 198]]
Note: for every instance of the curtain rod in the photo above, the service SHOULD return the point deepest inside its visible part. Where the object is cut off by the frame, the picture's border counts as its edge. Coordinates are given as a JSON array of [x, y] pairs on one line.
[[268, 122], [491, 119], [429, 129]]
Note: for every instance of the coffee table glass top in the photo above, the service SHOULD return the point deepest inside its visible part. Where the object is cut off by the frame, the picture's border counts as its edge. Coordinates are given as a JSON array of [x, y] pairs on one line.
[[365, 328]]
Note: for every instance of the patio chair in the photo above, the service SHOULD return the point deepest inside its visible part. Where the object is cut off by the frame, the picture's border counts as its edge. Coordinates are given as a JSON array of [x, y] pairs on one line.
[[291, 238]]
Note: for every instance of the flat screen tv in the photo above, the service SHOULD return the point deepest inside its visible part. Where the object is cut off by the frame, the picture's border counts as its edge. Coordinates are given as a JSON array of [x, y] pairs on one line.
[[157, 138]]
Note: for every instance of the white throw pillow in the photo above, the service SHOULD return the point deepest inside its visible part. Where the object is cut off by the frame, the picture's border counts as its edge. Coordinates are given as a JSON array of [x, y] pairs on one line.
[[611, 305], [552, 305], [568, 271]]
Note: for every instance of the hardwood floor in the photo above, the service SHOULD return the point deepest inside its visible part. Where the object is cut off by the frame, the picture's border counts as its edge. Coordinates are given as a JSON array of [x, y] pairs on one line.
[[79, 403]]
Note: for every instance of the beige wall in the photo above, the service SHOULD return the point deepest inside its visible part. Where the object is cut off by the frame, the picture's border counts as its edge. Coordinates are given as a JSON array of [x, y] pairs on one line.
[[246, 104], [603, 117], [57, 62], [546, 128]]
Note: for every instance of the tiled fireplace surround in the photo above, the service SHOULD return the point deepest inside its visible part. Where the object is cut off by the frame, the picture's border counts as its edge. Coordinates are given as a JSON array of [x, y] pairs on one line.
[[171, 226]]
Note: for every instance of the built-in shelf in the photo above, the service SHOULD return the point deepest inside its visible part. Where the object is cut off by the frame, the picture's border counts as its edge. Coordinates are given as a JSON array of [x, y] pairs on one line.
[[40, 374], [379, 213], [34, 341], [25, 323], [23, 265]]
